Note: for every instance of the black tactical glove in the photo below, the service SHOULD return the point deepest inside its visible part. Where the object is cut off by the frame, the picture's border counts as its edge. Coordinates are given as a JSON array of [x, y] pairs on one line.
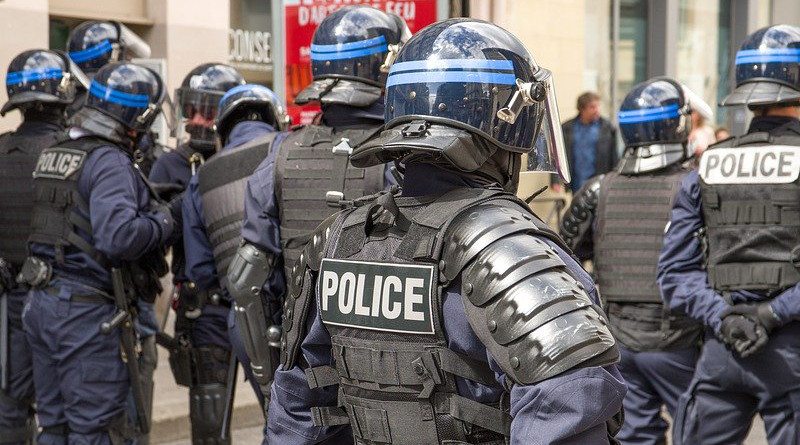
[[167, 213], [7, 276], [761, 313], [742, 334]]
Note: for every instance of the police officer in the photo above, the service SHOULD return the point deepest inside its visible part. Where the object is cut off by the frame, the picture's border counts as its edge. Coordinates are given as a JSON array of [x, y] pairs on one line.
[[450, 313], [617, 220], [247, 119], [201, 323], [94, 220], [306, 175], [197, 103], [40, 84], [92, 45], [730, 255]]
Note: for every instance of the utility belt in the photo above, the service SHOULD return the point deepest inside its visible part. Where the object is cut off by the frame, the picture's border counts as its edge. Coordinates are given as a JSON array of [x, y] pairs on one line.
[[192, 300]]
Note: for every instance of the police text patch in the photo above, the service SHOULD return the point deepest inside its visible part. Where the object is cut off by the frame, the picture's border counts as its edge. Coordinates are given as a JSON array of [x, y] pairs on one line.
[[379, 296], [58, 163], [772, 164]]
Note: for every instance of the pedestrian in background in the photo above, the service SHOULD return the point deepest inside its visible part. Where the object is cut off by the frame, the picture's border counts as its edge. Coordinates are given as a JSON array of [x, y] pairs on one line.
[[591, 141]]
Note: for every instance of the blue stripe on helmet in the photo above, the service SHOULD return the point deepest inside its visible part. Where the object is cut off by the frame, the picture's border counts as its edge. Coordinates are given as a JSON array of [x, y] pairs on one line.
[[339, 47], [451, 77], [768, 55], [119, 97], [247, 87], [428, 65], [350, 54], [17, 77], [91, 52], [648, 114]]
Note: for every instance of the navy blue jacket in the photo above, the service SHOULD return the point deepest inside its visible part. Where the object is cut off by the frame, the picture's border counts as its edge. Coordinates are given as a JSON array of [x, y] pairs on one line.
[[123, 226], [173, 168], [681, 276], [571, 408], [199, 253]]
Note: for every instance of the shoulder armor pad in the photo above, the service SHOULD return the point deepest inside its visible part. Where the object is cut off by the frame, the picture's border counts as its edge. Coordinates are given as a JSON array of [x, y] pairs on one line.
[[578, 219], [476, 228], [534, 317], [300, 290]]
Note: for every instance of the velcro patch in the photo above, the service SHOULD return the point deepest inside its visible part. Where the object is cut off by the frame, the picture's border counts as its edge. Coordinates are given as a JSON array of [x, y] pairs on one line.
[[771, 164], [378, 296], [59, 163]]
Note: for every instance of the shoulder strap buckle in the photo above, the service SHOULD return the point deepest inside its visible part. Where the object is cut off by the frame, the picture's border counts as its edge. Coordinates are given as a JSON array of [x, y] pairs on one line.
[[343, 147]]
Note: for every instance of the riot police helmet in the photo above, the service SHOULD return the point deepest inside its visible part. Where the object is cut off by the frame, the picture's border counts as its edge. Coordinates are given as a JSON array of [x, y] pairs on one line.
[[655, 122], [351, 52], [93, 44], [42, 76], [123, 97], [462, 90], [249, 102], [768, 69], [197, 100]]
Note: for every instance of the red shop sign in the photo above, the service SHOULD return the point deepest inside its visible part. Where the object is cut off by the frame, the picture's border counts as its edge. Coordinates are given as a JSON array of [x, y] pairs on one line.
[[301, 18]]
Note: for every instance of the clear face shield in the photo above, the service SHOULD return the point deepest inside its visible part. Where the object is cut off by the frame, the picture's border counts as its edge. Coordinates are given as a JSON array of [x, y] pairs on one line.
[[81, 80], [394, 49], [194, 115], [548, 153], [135, 47]]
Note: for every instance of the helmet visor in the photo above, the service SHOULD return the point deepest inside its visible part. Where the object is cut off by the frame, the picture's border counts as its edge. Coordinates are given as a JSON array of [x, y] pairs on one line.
[[195, 112], [548, 153], [134, 46]]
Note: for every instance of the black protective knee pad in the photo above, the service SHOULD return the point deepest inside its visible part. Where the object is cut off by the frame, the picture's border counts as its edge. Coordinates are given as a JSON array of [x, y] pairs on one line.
[[211, 364], [206, 410]]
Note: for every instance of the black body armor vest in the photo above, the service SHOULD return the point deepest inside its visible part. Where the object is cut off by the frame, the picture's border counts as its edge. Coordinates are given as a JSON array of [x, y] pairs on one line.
[[632, 214], [55, 220], [18, 156], [222, 181], [751, 206], [380, 278], [310, 163]]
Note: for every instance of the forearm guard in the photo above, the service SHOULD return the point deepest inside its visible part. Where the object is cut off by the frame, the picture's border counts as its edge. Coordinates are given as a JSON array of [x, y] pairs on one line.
[[248, 272], [576, 226]]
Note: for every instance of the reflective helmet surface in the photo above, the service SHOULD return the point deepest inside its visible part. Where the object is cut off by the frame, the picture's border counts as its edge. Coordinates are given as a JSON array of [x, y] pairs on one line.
[[654, 112], [200, 92], [239, 102], [355, 43], [92, 45], [44, 76], [131, 94], [768, 68], [479, 77]]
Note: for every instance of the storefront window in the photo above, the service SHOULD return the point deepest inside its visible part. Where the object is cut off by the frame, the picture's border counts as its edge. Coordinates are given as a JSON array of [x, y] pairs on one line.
[[632, 50], [703, 54], [597, 74], [250, 40]]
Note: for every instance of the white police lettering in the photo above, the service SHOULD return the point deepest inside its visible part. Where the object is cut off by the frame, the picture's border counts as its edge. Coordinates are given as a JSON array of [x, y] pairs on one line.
[[771, 164], [380, 296], [58, 163]]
